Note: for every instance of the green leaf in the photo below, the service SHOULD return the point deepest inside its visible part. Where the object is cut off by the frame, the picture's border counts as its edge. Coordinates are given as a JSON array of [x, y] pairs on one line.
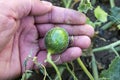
[[84, 6], [118, 26], [26, 75], [88, 21], [115, 15], [100, 14], [113, 72]]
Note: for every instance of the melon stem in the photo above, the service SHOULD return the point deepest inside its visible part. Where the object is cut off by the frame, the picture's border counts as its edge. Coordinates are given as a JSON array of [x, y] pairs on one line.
[[49, 60]]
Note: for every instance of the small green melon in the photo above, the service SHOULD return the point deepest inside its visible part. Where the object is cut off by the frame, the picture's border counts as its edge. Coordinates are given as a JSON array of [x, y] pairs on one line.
[[56, 40]]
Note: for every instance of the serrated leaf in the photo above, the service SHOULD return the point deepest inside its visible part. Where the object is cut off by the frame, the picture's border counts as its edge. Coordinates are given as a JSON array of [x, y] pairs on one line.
[[115, 15], [113, 72], [100, 14], [84, 6]]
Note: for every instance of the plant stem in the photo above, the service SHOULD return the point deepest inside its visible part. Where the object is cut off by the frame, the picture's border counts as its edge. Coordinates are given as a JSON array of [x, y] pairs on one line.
[[61, 69], [68, 4], [112, 3], [49, 60], [93, 2], [82, 2], [107, 46], [84, 68], [101, 48], [94, 68], [41, 67], [117, 54], [107, 25], [116, 48], [64, 3], [71, 72]]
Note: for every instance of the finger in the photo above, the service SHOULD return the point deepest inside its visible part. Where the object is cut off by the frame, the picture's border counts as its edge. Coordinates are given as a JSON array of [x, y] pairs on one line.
[[62, 15], [69, 55], [40, 7], [34, 7], [71, 29], [80, 41], [77, 41]]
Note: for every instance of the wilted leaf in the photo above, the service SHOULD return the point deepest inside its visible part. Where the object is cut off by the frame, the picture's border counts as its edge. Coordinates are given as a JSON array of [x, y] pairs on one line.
[[84, 6], [100, 14], [113, 72]]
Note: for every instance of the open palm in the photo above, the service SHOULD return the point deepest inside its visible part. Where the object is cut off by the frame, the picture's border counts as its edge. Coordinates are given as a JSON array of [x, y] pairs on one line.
[[22, 30]]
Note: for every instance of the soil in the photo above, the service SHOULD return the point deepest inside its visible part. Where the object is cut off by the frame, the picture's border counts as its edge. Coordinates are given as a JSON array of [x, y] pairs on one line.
[[103, 38]]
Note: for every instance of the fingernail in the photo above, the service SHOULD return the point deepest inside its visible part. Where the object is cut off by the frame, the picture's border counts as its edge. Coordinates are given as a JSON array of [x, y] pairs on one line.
[[47, 3]]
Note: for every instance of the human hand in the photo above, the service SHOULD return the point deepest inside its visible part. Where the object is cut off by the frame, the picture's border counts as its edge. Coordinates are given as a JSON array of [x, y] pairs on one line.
[[23, 25]]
